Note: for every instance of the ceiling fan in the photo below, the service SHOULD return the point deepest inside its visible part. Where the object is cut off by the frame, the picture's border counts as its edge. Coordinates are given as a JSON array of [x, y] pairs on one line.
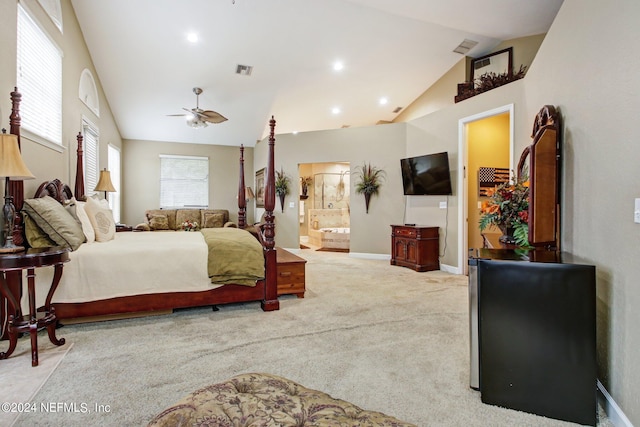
[[199, 118]]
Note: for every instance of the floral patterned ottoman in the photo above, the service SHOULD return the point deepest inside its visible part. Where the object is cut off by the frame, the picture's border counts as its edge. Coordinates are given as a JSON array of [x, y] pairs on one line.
[[261, 400]]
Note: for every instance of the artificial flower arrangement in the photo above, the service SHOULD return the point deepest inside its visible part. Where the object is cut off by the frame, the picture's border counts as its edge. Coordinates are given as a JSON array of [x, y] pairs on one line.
[[508, 209], [189, 226]]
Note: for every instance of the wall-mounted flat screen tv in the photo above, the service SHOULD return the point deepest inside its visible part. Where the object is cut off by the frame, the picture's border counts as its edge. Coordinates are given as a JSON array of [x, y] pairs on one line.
[[426, 175]]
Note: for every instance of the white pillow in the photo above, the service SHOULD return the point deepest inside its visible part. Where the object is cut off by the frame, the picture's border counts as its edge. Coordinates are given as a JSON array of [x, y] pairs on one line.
[[101, 219], [87, 228]]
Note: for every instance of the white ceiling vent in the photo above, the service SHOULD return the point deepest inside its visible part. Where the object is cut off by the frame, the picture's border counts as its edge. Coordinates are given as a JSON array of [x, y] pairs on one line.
[[244, 70], [397, 109], [465, 46]]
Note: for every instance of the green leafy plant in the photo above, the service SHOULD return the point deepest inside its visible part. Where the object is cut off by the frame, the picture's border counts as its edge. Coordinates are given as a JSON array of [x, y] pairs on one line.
[[508, 208], [305, 182], [282, 183], [370, 179]]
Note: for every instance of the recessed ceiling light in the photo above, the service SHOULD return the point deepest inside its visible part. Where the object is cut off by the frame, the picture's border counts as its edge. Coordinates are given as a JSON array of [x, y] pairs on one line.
[[336, 110], [295, 132], [338, 66], [192, 37], [383, 100]]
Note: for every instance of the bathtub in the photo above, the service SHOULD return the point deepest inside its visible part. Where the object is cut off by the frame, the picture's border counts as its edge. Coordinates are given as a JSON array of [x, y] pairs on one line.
[[330, 237]]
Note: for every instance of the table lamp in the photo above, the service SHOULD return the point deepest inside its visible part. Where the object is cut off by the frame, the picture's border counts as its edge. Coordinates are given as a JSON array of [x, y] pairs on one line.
[[12, 167], [104, 183]]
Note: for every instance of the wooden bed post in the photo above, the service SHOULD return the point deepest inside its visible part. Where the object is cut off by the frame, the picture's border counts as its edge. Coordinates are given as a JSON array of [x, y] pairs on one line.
[[242, 201], [271, 292], [79, 188]]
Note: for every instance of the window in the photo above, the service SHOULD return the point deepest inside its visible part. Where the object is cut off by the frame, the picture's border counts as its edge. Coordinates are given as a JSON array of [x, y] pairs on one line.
[[90, 133], [39, 79], [114, 168], [184, 181]]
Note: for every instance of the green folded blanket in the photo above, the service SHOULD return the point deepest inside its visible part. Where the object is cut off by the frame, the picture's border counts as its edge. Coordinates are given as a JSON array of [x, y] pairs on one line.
[[235, 256]]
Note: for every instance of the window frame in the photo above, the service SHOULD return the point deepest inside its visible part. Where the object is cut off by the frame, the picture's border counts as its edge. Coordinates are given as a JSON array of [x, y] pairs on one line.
[[47, 132], [165, 203]]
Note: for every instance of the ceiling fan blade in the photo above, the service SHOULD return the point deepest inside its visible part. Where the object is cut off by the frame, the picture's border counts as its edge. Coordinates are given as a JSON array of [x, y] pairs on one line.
[[213, 117], [176, 115]]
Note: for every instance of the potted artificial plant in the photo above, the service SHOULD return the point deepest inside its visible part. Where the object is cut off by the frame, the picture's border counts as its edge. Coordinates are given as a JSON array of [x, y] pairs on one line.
[[282, 186], [369, 181]]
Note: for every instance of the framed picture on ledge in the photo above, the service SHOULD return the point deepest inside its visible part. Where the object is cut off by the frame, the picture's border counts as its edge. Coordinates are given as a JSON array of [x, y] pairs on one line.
[[260, 188]]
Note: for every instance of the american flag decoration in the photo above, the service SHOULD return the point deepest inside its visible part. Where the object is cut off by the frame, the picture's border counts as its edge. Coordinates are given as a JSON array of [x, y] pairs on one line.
[[490, 178]]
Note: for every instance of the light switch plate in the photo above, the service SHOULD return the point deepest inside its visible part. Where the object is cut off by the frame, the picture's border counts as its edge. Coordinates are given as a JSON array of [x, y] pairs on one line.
[[636, 212], [443, 205], [292, 204]]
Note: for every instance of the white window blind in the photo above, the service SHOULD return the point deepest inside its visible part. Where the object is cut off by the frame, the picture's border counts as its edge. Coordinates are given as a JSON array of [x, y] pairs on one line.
[[114, 168], [39, 79], [184, 181], [90, 134]]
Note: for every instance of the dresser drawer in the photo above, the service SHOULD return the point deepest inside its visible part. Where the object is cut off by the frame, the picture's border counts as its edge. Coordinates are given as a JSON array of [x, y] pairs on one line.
[[404, 232]]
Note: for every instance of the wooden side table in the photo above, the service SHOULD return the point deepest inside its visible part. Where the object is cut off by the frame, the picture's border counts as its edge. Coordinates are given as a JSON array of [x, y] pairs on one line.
[[11, 266]]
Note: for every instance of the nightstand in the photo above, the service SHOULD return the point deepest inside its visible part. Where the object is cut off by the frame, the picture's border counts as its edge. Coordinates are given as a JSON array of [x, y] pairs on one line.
[[11, 266]]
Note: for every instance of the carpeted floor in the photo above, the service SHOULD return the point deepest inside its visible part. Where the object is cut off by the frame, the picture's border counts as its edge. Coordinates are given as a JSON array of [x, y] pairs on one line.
[[382, 337]]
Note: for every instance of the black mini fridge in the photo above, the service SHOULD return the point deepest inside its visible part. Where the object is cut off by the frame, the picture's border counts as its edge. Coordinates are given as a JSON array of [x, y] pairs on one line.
[[532, 323]]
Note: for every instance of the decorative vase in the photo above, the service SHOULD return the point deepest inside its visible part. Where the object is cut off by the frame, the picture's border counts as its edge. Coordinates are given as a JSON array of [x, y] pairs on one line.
[[507, 235], [281, 196], [367, 198]]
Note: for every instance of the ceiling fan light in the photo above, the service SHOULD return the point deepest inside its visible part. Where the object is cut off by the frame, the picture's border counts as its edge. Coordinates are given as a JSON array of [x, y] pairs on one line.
[[195, 122]]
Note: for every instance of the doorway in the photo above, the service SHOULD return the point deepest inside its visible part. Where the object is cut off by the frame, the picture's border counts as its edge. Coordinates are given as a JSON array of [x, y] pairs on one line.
[[485, 141], [325, 206]]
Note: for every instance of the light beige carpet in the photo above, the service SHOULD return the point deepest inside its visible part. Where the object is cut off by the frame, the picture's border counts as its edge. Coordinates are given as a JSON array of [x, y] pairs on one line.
[[19, 381], [382, 337]]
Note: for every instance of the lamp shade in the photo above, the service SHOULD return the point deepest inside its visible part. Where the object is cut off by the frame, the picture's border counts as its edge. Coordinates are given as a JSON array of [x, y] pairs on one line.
[[104, 183], [11, 163], [248, 193]]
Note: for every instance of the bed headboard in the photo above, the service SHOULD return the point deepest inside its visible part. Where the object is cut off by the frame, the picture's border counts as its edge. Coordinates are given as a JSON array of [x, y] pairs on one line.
[[56, 189]]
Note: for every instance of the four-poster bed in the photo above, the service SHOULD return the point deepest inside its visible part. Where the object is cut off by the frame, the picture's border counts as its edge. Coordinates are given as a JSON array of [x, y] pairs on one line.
[[265, 290]]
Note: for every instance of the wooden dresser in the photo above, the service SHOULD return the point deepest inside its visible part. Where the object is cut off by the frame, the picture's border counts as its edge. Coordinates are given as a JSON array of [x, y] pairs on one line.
[[290, 273], [415, 247]]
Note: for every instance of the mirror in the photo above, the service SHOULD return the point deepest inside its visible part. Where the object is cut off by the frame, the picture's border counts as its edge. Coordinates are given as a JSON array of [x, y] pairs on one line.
[[499, 62]]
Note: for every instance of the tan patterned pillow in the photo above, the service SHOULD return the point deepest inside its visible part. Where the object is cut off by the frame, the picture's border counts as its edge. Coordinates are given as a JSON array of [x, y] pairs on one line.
[[159, 222], [101, 219], [213, 220], [183, 215]]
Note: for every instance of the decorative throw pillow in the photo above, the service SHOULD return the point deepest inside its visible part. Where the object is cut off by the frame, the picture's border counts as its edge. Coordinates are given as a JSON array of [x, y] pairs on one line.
[[190, 215], [213, 220], [85, 222], [55, 221], [159, 222], [36, 237], [101, 219]]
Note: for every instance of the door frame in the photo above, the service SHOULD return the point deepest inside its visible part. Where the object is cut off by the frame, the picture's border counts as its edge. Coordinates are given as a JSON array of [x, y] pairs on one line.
[[463, 237]]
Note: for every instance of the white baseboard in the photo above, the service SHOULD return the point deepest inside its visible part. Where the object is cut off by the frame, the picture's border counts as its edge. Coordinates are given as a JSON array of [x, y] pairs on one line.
[[614, 412], [450, 269]]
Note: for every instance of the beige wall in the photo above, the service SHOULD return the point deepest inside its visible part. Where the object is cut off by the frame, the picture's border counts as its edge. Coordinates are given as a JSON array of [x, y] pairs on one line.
[[599, 108], [441, 94], [44, 162], [382, 145], [142, 172]]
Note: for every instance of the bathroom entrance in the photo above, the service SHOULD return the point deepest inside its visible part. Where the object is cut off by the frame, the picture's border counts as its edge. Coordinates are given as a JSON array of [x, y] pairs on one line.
[[324, 206]]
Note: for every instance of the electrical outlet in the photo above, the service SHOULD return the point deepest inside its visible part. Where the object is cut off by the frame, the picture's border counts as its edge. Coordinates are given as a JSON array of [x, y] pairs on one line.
[[443, 205], [292, 204]]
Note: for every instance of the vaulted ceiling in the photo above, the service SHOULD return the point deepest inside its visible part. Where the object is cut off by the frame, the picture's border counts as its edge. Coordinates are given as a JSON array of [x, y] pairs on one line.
[[394, 49]]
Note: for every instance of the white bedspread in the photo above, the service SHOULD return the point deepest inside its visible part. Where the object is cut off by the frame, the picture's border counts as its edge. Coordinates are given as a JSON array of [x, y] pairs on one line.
[[133, 263]]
